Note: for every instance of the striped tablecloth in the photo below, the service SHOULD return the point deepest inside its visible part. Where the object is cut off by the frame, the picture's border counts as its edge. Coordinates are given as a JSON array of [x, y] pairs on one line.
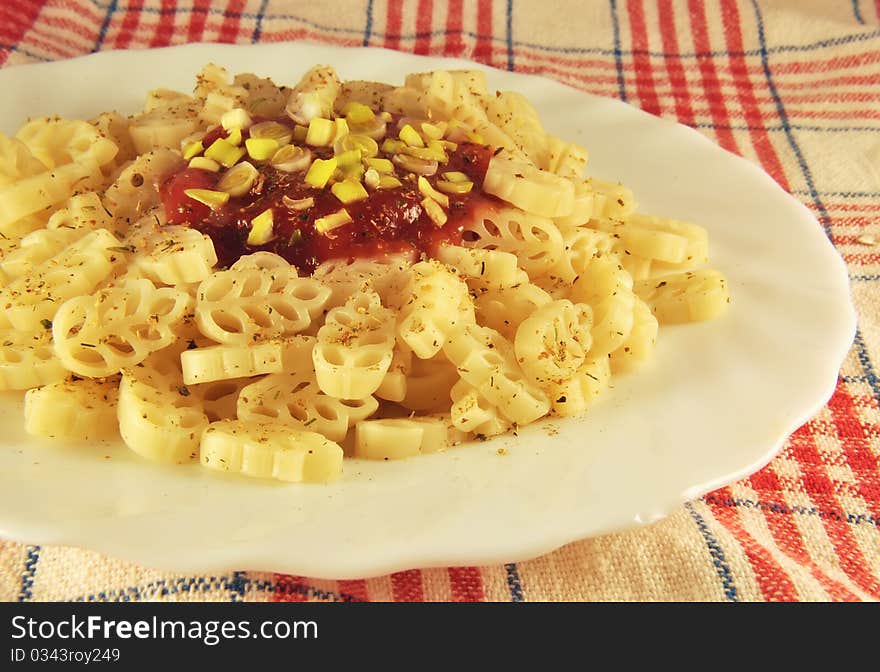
[[792, 85]]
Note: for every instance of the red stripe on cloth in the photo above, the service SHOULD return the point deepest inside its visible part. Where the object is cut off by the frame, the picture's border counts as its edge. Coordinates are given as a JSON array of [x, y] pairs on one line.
[[821, 490], [165, 28], [788, 537], [130, 21], [453, 45], [393, 23], [231, 21], [424, 18], [407, 586], [856, 447], [773, 582], [853, 61], [746, 94], [709, 76], [356, 589], [61, 28], [850, 207], [306, 34], [483, 48], [466, 584], [289, 589], [14, 25], [52, 43], [197, 17], [645, 90], [683, 110]]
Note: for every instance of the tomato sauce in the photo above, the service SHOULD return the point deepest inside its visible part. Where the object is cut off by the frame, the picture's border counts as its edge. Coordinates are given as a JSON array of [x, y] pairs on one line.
[[388, 221]]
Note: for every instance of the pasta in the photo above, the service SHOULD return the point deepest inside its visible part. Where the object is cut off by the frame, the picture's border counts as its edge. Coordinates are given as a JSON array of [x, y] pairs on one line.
[[269, 281]]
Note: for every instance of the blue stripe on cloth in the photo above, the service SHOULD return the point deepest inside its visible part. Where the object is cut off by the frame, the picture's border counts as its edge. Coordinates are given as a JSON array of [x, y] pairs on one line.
[[238, 583], [514, 584], [102, 33], [237, 587], [842, 194], [25, 592], [618, 54], [258, 28], [794, 127], [857, 12], [25, 52], [821, 44], [824, 219], [867, 366], [510, 35], [368, 24], [842, 516], [717, 554]]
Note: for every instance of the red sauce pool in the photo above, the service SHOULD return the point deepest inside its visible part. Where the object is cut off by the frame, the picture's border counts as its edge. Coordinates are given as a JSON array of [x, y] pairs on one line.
[[389, 221]]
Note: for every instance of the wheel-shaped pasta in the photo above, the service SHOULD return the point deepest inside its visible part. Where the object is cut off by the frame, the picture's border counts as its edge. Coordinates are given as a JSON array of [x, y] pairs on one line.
[[640, 344], [75, 408], [575, 395], [219, 399], [582, 209], [529, 188], [82, 211], [57, 142], [28, 360], [397, 438], [552, 343], [128, 198], [504, 309], [580, 245], [606, 287], [691, 296], [355, 347], [429, 383], [393, 387], [35, 248], [42, 192], [159, 417], [486, 361], [534, 240], [472, 412], [641, 241], [270, 450], [612, 200], [239, 306], [224, 362], [32, 300], [295, 400], [175, 255], [483, 268], [118, 327], [17, 161], [438, 303], [697, 247], [388, 277]]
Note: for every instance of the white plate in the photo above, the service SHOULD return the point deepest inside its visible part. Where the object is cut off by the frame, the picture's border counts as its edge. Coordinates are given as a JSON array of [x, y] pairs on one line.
[[715, 403]]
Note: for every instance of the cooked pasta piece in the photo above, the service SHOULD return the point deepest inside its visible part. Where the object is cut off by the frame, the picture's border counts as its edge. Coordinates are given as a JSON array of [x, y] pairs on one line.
[[534, 240], [397, 438], [118, 327], [294, 399], [242, 305], [354, 347], [270, 450], [159, 417], [78, 409], [31, 301], [438, 303]]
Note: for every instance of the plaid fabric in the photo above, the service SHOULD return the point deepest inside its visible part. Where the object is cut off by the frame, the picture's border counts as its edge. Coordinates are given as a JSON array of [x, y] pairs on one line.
[[792, 86]]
